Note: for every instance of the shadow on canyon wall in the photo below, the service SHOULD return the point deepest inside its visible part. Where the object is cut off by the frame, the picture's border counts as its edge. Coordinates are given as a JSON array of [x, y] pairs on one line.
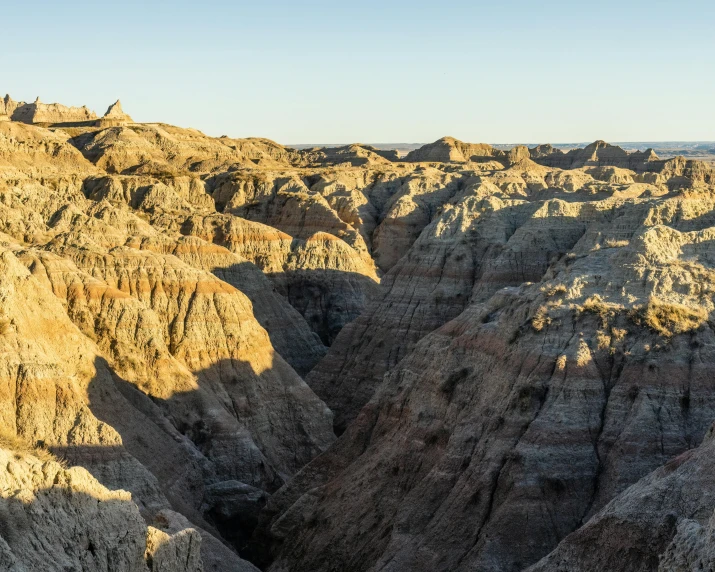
[[214, 454]]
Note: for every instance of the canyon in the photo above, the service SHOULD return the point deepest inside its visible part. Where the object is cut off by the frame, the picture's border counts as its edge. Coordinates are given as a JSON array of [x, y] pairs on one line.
[[227, 354]]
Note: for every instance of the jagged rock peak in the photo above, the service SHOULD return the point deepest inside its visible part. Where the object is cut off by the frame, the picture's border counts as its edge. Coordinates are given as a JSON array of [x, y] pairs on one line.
[[115, 116], [115, 110]]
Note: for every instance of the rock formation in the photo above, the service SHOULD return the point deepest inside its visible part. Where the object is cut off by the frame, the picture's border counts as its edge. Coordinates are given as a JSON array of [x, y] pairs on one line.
[[38, 112], [598, 154], [514, 347], [663, 522], [114, 116], [56, 113], [523, 412], [448, 150], [54, 518]]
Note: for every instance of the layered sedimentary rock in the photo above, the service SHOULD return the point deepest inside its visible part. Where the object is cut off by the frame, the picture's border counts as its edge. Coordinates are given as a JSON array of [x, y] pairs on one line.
[[7, 105], [38, 112], [448, 150], [54, 518], [355, 155], [531, 410], [165, 401], [663, 522], [114, 115], [163, 149], [598, 154], [516, 338]]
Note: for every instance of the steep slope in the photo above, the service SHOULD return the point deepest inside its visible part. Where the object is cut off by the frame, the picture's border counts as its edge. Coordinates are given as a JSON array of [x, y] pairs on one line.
[[492, 231], [524, 413], [208, 325], [663, 522], [343, 275], [516, 338], [289, 333], [174, 363], [321, 268], [475, 247], [38, 112], [59, 519]]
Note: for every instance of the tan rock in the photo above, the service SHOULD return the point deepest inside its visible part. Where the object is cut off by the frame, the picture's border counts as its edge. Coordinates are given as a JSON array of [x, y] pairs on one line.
[[48, 113], [114, 116], [448, 150], [538, 341]]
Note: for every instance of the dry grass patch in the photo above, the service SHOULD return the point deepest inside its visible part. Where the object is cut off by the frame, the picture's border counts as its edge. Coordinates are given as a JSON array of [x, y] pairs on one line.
[[583, 354], [541, 319], [618, 334], [669, 319], [20, 446], [603, 340], [604, 310], [553, 290]]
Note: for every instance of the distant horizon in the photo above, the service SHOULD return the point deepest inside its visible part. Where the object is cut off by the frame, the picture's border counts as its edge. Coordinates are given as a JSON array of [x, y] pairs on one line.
[[561, 143], [392, 144], [380, 70]]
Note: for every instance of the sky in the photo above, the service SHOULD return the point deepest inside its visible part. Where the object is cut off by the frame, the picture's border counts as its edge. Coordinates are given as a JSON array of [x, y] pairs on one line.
[[377, 71]]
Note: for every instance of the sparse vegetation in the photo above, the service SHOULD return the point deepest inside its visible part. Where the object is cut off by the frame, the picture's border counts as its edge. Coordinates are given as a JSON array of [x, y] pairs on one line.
[[551, 290], [669, 319], [541, 319], [583, 355], [618, 334], [604, 310], [20, 446], [603, 340]]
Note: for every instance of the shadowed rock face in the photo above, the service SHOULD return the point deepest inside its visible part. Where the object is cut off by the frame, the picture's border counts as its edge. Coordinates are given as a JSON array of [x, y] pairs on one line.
[[663, 522], [506, 341], [529, 412], [55, 518]]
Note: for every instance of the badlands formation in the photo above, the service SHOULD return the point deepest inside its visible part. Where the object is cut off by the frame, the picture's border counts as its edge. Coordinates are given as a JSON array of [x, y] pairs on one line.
[[228, 355]]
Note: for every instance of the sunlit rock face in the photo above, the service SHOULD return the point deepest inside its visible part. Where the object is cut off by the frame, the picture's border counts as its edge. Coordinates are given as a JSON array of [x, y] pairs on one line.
[[507, 342]]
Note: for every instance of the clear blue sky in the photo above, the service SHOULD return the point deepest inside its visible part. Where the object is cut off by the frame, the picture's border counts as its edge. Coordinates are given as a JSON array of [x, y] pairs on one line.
[[377, 71]]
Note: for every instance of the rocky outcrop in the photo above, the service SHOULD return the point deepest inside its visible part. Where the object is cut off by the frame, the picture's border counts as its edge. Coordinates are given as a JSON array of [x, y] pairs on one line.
[[516, 338], [115, 294], [350, 155], [114, 116], [208, 326], [450, 150], [524, 412], [597, 154], [49, 113], [164, 150], [663, 522], [7, 105], [32, 152], [474, 248], [55, 518], [295, 266]]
